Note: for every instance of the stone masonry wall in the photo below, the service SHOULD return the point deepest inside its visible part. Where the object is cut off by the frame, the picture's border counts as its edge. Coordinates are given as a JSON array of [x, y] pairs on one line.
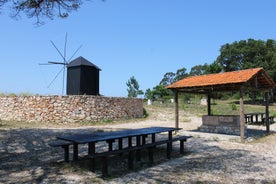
[[69, 108], [226, 124]]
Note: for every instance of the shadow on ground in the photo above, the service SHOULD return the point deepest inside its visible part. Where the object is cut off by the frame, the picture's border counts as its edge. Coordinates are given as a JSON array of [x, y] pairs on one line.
[[26, 157]]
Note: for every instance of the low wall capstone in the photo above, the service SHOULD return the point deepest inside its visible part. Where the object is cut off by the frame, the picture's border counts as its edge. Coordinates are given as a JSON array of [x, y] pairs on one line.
[[69, 108]]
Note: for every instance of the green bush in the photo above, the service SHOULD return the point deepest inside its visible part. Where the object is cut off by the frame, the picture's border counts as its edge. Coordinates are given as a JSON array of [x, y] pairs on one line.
[[145, 113], [233, 106]]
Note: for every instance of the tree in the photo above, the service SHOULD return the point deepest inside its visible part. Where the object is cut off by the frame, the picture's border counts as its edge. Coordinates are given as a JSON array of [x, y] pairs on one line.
[[231, 56], [180, 74], [167, 79], [158, 92], [42, 8], [149, 94], [199, 70], [246, 54], [133, 88], [214, 67]]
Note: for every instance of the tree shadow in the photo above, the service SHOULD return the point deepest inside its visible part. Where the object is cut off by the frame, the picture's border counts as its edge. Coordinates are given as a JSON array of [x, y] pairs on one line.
[[26, 157], [210, 164], [251, 132]]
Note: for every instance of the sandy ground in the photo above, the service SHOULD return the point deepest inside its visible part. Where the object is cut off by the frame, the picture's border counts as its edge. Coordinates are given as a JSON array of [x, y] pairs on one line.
[[26, 157]]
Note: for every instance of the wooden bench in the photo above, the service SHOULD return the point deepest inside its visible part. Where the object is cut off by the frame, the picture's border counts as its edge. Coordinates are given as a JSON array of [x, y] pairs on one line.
[[150, 146], [63, 144]]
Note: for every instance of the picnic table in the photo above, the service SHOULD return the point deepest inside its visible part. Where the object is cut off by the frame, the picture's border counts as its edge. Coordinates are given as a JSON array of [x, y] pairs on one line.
[[110, 137], [92, 138], [249, 117]]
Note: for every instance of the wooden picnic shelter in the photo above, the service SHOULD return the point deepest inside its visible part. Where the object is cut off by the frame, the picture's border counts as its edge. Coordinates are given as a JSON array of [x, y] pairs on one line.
[[255, 79]]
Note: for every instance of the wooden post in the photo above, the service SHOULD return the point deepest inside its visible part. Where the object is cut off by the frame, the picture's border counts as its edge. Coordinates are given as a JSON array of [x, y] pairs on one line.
[[242, 123], [209, 104], [176, 109], [267, 123]]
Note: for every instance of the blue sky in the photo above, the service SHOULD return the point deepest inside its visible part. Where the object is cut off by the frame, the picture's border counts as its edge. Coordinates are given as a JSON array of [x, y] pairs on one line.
[[140, 38]]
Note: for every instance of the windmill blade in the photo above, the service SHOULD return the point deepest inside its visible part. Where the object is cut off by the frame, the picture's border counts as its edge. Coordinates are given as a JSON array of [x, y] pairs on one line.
[[44, 64], [65, 47], [74, 53], [58, 50], [63, 79], [55, 77], [54, 62]]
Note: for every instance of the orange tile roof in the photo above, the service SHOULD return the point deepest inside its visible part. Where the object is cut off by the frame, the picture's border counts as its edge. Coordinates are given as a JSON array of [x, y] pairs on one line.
[[225, 78]]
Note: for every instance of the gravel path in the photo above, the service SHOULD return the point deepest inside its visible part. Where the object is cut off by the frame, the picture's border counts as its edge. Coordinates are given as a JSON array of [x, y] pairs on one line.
[[25, 156]]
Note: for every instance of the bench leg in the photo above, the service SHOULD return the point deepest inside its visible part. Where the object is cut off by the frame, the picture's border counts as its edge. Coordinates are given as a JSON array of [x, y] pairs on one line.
[[150, 151], [182, 146], [120, 145], [169, 150], [66, 153], [104, 166], [93, 163], [130, 160]]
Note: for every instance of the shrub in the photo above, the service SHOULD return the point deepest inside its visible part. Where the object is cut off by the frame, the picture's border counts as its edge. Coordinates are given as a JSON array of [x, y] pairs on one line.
[[233, 106], [145, 113]]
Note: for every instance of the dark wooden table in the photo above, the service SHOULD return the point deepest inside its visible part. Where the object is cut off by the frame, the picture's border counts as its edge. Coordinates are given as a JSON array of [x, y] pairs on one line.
[[92, 138]]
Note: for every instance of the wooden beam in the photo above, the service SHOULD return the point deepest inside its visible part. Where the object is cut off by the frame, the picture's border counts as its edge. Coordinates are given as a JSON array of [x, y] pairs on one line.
[[267, 79], [176, 109], [267, 123], [209, 104], [242, 123]]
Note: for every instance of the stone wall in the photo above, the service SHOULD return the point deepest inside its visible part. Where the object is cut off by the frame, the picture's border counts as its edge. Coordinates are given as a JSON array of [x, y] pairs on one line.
[[69, 108], [226, 124]]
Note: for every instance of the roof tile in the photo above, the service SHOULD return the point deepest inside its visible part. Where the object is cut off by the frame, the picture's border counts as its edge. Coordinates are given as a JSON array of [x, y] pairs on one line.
[[234, 77]]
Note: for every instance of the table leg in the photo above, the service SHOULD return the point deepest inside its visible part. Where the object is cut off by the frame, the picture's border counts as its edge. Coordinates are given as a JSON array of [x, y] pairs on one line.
[[129, 141], [120, 143], [144, 139], [66, 153], [75, 151], [110, 144], [91, 148], [91, 151], [153, 137], [170, 138], [262, 117], [251, 117], [256, 117], [138, 152], [130, 158]]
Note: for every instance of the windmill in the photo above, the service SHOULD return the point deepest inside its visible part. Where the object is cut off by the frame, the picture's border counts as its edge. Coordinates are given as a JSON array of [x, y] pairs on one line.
[[64, 63]]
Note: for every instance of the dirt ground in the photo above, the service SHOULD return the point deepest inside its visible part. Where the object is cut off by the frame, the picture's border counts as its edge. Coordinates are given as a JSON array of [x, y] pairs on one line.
[[26, 157]]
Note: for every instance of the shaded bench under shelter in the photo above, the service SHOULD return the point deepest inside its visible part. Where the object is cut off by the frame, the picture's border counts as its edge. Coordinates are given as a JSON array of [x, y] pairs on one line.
[[255, 79]]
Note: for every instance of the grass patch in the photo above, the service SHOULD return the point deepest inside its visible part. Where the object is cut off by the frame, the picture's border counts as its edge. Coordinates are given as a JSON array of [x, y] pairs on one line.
[[185, 120]]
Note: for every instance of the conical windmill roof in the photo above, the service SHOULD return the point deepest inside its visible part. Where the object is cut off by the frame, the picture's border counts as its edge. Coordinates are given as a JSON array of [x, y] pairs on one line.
[[81, 61]]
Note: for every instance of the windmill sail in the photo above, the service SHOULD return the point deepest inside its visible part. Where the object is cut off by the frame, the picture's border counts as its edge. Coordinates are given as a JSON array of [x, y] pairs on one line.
[[64, 63]]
